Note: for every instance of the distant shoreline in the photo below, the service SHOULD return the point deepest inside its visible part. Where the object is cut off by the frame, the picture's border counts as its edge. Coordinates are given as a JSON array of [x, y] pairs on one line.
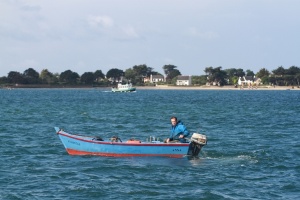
[[159, 87], [163, 87]]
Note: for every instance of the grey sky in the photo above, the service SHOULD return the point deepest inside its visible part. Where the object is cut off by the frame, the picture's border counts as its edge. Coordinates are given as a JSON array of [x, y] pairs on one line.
[[87, 35]]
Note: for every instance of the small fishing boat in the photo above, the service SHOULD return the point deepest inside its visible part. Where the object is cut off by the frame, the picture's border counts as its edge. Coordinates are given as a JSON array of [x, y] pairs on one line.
[[123, 88], [115, 147]]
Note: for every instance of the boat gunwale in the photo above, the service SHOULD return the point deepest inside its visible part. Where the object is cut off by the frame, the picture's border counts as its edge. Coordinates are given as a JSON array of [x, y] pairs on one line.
[[80, 138]]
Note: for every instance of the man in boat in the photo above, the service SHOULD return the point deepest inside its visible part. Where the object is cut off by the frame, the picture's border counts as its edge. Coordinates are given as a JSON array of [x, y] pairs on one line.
[[178, 131]]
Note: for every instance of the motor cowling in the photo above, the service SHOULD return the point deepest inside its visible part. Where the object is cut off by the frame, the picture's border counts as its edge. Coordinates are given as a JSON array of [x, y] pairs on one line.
[[199, 138], [197, 142]]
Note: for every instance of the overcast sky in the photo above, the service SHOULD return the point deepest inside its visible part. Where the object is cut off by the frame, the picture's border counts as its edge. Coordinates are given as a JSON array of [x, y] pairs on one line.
[[87, 35]]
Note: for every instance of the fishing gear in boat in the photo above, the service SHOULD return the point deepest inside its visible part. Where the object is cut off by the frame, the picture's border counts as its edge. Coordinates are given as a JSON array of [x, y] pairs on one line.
[[115, 139], [97, 138]]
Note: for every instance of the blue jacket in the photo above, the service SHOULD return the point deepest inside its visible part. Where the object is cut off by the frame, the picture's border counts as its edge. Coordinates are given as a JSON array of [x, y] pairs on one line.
[[178, 129]]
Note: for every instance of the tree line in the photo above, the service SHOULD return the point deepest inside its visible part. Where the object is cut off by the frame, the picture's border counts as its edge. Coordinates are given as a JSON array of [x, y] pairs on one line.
[[136, 75], [280, 76]]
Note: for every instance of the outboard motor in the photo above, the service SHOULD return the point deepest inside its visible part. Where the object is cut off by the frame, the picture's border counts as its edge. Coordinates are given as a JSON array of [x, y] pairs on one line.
[[197, 142]]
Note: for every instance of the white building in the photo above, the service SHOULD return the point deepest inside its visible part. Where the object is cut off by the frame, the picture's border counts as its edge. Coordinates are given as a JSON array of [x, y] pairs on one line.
[[249, 80], [184, 80], [157, 78]]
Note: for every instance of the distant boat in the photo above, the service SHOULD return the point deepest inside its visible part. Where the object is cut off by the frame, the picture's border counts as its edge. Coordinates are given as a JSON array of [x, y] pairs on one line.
[[115, 147], [123, 88]]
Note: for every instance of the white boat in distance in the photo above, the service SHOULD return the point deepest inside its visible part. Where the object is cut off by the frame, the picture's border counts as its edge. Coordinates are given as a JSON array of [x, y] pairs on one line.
[[123, 88]]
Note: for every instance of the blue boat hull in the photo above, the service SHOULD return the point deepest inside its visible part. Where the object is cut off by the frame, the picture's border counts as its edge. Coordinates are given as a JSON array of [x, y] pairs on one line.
[[83, 145]]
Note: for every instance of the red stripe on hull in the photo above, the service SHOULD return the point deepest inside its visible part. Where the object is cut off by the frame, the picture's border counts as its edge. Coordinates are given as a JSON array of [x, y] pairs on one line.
[[82, 153]]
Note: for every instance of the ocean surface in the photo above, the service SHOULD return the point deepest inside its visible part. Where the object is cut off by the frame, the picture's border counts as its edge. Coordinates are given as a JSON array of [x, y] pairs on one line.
[[253, 149]]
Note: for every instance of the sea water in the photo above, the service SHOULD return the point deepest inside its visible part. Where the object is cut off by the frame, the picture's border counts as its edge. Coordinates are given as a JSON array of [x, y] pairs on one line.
[[253, 149]]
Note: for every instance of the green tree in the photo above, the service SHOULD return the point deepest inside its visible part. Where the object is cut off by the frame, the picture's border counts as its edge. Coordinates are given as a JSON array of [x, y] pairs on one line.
[[3, 80], [150, 71], [293, 70], [289, 80], [137, 73], [171, 72], [31, 76], [280, 81], [240, 72], [280, 71], [115, 74], [234, 80], [286, 76], [130, 75], [47, 77], [69, 77], [233, 75], [168, 68], [140, 72], [216, 75], [98, 75], [265, 80], [231, 72], [87, 78], [209, 71], [55, 78], [249, 73], [297, 79], [15, 77], [269, 80], [199, 80], [262, 72]]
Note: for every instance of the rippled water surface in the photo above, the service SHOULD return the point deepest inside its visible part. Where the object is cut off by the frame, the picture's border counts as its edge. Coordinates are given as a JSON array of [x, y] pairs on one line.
[[253, 149]]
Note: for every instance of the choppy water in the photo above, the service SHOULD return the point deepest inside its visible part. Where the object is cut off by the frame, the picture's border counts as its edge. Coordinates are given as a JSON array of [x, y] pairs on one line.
[[253, 149]]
